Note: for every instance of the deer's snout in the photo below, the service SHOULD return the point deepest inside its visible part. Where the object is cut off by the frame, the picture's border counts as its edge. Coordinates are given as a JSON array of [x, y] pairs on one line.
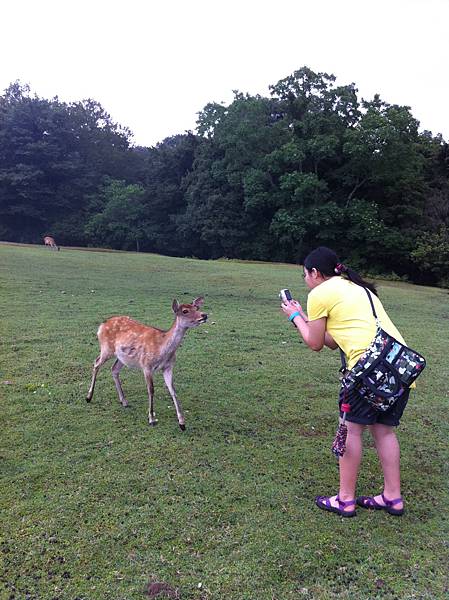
[[203, 318]]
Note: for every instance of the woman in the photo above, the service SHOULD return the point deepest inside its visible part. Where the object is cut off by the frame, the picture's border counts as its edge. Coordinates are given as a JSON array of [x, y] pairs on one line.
[[339, 315]]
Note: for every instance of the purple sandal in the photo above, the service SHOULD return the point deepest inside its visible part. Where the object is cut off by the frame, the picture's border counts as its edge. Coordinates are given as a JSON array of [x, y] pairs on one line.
[[324, 502], [370, 503]]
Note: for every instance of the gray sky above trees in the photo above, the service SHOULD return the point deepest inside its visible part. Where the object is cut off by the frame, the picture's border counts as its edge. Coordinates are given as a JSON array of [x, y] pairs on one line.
[[154, 64]]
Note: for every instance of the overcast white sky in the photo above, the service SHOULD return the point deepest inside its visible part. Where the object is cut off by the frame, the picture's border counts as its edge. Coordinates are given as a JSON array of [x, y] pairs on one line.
[[154, 64]]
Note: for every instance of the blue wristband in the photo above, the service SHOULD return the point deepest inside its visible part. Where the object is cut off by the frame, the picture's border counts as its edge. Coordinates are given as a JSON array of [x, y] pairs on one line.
[[294, 315]]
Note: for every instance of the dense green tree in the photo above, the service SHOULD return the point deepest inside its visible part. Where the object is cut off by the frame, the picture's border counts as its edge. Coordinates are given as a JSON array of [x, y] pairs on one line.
[[262, 178], [223, 215], [431, 255], [305, 170], [166, 167], [119, 223], [53, 157]]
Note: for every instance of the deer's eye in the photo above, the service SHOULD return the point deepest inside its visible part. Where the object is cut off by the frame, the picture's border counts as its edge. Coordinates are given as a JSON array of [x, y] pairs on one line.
[[184, 311]]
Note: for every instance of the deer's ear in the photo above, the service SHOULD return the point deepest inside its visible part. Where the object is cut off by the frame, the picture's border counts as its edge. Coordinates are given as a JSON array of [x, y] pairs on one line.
[[175, 306], [198, 301]]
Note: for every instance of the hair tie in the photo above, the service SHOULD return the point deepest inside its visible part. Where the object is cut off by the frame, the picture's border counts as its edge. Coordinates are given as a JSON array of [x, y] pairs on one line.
[[340, 268]]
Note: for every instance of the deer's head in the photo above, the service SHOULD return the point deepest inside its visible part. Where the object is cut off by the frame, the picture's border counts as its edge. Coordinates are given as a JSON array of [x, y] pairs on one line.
[[189, 315]]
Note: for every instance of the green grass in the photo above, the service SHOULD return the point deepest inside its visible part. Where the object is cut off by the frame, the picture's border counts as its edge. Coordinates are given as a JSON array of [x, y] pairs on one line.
[[96, 504]]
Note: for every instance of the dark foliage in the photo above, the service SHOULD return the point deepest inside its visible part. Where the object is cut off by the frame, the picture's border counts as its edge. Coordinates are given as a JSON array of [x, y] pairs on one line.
[[262, 178]]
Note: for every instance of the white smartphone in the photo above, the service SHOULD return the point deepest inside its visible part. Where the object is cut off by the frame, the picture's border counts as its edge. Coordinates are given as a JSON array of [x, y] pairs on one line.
[[285, 295]]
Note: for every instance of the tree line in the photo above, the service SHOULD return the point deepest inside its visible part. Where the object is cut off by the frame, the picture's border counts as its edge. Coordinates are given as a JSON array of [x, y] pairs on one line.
[[264, 178]]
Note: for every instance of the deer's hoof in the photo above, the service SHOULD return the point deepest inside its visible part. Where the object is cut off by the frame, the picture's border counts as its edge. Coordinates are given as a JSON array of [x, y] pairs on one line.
[[88, 399], [153, 423], [182, 426]]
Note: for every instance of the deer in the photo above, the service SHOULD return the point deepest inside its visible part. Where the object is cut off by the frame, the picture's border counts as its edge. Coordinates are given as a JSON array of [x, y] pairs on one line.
[[146, 348], [50, 242]]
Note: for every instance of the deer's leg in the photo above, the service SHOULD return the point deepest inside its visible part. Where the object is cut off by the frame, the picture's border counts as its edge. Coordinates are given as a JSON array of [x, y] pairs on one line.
[[168, 378], [99, 361], [116, 368], [150, 387]]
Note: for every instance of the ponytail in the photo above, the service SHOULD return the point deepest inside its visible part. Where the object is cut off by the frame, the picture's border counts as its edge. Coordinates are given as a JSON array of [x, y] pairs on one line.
[[326, 262], [357, 279]]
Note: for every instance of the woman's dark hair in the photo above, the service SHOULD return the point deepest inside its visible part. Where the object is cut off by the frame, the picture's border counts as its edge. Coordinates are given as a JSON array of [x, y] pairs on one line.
[[327, 263]]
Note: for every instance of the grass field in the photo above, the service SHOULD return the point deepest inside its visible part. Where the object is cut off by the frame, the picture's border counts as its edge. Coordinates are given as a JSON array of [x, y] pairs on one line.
[[97, 505]]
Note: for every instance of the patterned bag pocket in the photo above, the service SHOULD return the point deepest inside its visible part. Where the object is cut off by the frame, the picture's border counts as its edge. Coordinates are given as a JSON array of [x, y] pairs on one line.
[[384, 371]]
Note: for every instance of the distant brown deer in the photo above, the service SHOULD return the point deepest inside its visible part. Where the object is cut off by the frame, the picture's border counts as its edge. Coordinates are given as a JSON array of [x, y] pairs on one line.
[[50, 242], [147, 348]]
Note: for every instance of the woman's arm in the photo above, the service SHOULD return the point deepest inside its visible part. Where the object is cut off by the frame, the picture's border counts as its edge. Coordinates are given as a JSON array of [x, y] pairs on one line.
[[313, 332], [330, 342]]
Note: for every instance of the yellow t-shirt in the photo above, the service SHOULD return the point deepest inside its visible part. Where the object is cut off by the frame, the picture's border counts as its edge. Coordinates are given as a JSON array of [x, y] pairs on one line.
[[350, 320]]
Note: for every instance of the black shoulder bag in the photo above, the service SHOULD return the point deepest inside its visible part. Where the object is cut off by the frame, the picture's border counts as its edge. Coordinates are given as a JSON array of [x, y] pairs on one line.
[[385, 370]]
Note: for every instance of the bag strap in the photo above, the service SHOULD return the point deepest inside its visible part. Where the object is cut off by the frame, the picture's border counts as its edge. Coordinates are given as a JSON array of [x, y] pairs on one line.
[[342, 354], [394, 376], [342, 369], [368, 293]]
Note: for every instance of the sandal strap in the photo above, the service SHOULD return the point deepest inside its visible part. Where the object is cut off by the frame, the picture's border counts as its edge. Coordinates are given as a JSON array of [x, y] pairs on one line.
[[344, 503], [391, 502], [325, 500], [368, 502]]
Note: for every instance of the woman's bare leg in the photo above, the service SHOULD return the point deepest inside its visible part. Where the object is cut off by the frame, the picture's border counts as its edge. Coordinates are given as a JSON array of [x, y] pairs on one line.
[[387, 447], [349, 464]]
